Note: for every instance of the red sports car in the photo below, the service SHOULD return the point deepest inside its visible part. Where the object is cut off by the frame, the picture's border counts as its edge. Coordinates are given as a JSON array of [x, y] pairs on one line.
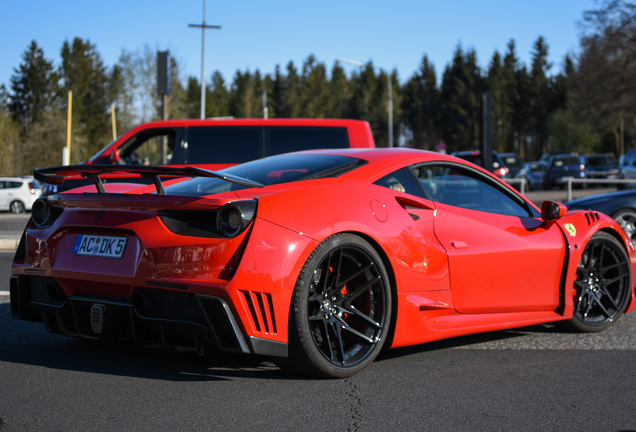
[[318, 259]]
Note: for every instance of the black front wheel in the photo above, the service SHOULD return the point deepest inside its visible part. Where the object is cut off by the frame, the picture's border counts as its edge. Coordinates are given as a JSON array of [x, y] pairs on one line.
[[603, 284], [341, 309]]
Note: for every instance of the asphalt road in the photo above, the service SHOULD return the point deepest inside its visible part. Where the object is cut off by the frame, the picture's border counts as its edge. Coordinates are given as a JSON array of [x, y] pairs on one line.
[[536, 378]]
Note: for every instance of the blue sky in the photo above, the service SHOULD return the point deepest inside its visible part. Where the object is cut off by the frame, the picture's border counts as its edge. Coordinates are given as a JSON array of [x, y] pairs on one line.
[[259, 34]]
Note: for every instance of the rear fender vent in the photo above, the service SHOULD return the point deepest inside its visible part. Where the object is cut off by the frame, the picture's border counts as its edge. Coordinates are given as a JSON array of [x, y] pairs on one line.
[[591, 217], [261, 310]]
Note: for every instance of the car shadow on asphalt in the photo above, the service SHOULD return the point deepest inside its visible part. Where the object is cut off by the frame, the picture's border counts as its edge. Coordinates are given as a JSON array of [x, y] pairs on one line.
[[474, 339], [29, 343]]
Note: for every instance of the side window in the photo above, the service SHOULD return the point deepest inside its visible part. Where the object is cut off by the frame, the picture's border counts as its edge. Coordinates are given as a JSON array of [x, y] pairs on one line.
[[402, 181], [223, 144], [285, 139], [462, 187], [146, 147]]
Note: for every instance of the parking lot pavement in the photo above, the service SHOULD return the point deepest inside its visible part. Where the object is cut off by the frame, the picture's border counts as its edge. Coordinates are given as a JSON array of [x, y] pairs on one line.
[[11, 227]]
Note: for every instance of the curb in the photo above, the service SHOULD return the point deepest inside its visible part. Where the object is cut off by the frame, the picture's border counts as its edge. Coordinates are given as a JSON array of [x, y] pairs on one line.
[[7, 244]]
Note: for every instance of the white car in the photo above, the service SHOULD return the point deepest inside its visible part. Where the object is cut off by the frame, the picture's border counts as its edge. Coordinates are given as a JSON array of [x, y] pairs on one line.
[[17, 194]]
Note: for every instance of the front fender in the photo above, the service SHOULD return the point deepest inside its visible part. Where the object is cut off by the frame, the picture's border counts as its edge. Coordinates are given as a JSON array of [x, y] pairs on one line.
[[578, 227]]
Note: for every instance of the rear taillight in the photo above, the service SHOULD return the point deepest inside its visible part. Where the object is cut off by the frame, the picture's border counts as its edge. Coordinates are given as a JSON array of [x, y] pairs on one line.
[[32, 188], [501, 171]]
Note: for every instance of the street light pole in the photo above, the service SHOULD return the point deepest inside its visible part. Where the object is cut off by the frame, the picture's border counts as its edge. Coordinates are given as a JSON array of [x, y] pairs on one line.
[[203, 27], [390, 97]]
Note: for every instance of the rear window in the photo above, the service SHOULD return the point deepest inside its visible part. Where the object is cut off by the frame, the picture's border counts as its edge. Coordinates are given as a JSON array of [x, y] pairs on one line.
[[566, 161], [269, 171], [237, 144], [601, 161], [512, 162]]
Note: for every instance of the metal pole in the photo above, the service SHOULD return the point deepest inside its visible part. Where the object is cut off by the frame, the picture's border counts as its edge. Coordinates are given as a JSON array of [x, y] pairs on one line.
[[203, 27], [265, 111], [67, 157], [113, 121], [390, 109], [203, 63]]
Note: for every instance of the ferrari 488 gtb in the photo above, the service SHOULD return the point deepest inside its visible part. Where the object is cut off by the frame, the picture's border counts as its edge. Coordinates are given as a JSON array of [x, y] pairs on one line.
[[318, 259]]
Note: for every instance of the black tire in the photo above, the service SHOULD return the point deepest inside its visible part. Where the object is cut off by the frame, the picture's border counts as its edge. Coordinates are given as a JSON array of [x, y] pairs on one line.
[[626, 218], [602, 286], [16, 207], [340, 311]]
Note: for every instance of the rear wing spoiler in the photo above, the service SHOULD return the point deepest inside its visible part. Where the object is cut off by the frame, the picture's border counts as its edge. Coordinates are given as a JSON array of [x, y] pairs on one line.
[[153, 173]]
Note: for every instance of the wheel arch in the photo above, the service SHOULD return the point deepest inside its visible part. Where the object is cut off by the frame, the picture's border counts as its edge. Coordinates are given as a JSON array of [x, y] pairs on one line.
[[631, 304]]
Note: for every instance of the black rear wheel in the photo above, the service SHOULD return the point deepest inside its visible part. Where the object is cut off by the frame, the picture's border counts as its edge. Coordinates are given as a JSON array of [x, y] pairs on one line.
[[341, 309], [603, 284]]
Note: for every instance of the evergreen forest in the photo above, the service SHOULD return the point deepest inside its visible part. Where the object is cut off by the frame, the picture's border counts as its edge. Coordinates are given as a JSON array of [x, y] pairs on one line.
[[589, 106]]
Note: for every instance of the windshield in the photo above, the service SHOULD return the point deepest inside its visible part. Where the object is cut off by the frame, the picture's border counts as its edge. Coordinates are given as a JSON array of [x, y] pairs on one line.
[[269, 171]]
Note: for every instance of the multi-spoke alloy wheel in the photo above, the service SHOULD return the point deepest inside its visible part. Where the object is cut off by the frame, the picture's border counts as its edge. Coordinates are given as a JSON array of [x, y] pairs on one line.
[[603, 284], [341, 309]]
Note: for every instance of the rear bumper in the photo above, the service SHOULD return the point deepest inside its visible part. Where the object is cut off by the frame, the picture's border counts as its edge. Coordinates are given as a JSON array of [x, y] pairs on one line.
[[166, 319]]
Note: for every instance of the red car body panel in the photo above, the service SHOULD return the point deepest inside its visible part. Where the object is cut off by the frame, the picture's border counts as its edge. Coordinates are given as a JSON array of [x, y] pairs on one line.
[[453, 271]]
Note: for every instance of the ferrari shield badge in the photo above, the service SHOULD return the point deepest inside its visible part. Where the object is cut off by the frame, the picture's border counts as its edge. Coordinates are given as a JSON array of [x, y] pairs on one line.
[[571, 229]]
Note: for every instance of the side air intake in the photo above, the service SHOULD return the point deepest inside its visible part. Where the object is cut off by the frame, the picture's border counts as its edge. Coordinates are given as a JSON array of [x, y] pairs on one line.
[[261, 311]]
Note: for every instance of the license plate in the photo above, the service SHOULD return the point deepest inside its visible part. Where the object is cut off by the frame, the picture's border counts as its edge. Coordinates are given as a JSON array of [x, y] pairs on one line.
[[100, 246]]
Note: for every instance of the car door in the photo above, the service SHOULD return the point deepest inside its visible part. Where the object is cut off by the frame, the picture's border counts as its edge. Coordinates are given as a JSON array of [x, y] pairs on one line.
[[501, 256]]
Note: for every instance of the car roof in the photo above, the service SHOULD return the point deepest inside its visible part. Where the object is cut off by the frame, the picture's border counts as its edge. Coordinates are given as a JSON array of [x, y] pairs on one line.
[[30, 178], [385, 160], [229, 121]]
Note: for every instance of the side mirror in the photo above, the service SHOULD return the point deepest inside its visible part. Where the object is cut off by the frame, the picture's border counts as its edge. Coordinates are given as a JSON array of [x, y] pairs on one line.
[[113, 157], [551, 210]]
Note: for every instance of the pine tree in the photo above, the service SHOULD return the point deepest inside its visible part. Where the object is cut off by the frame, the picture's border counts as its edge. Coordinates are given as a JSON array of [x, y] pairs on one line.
[[242, 97], [84, 73], [218, 102], [498, 82], [460, 105], [193, 98], [34, 87], [540, 95], [420, 105], [314, 93], [339, 94]]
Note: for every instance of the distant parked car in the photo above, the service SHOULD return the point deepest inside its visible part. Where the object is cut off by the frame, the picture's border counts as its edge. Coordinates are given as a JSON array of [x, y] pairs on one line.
[[627, 166], [561, 167], [513, 162], [600, 166], [619, 205], [17, 194], [498, 168], [534, 173]]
